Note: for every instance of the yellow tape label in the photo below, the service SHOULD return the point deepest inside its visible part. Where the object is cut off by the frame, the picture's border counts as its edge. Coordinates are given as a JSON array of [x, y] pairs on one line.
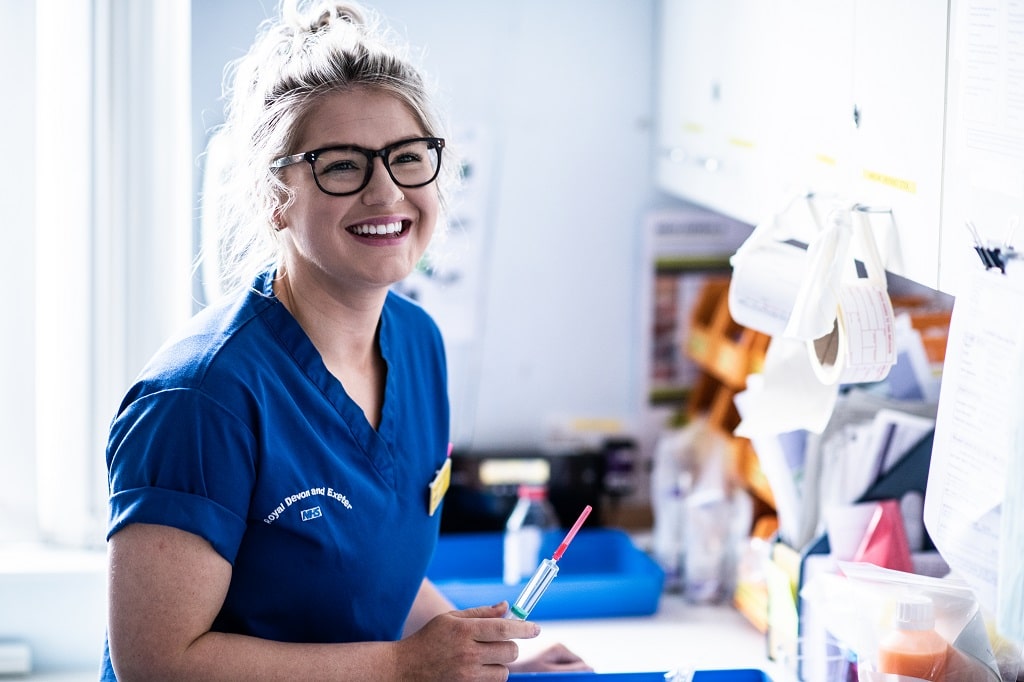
[[901, 184]]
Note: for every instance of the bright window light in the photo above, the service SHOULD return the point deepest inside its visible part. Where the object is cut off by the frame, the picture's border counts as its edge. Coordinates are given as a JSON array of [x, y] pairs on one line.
[[112, 235]]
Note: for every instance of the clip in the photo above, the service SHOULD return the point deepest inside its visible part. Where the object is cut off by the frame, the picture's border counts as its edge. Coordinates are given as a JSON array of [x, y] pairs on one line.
[[990, 258]]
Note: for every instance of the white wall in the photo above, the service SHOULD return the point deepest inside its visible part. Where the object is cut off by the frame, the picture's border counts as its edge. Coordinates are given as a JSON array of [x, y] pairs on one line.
[[564, 90]]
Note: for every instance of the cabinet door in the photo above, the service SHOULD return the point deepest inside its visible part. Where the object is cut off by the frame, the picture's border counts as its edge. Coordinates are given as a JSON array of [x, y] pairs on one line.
[[814, 99], [689, 130], [899, 96]]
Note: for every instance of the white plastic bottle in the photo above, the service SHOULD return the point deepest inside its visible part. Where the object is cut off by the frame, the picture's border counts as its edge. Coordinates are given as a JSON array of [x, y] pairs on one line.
[[669, 487], [913, 648], [532, 516]]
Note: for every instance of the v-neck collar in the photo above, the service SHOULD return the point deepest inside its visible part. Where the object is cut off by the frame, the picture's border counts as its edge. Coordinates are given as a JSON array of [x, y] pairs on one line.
[[295, 341]]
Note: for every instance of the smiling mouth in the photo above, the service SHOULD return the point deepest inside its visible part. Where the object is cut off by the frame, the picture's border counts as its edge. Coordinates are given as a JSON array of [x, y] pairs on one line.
[[385, 231]]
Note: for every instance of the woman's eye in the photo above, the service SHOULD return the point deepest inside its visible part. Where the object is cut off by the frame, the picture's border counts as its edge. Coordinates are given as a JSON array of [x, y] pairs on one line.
[[344, 166], [406, 157]]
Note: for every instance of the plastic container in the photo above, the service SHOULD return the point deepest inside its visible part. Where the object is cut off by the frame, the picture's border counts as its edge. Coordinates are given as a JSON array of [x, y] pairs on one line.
[[530, 519], [602, 574], [746, 675], [913, 648], [670, 485]]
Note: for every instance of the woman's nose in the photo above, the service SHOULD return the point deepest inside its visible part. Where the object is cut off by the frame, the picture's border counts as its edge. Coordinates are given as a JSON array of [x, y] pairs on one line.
[[381, 190]]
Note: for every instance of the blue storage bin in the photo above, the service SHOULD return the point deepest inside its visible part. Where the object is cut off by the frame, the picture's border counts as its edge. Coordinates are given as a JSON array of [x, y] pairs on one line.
[[602, 574], [698, 676]]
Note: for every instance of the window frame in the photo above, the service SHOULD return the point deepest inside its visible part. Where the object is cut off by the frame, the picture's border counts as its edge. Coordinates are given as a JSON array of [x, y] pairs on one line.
[[109, 267]]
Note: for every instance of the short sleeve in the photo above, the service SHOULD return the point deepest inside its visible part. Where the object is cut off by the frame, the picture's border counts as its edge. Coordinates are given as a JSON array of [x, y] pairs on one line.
[[178, 458]]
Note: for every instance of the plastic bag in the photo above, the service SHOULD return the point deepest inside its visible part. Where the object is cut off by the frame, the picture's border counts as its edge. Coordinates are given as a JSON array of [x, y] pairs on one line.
[[858, 608], [699, 516]]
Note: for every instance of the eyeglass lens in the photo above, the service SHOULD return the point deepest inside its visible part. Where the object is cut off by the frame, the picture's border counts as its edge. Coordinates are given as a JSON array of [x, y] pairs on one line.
[[346, 170]]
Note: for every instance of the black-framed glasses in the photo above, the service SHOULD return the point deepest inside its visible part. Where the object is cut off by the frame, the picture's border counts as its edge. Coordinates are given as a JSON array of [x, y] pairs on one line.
[[340, 171]]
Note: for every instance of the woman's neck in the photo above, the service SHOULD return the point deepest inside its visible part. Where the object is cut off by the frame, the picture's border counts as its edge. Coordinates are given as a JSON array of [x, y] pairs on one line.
[[344, 332]]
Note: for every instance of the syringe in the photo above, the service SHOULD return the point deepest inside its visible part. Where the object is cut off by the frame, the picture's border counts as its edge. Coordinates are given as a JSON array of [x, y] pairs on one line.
[[545, 573]]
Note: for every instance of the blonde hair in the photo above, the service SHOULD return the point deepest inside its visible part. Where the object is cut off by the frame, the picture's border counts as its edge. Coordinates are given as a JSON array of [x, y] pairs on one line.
[[312, 50]]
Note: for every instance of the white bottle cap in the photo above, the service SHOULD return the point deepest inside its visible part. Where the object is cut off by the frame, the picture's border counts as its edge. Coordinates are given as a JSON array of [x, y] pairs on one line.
[[915, 612]]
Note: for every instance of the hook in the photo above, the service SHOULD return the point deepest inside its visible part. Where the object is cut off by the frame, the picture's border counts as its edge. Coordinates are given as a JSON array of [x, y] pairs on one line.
[[864, 208]]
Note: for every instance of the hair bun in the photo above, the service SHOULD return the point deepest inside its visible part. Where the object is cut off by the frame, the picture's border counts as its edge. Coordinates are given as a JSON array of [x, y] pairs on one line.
[[330, 12]]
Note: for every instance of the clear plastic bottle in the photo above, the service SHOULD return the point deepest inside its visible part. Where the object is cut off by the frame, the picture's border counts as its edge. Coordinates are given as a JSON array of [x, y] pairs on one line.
[[532, 516], [913, 648], [670, 484]]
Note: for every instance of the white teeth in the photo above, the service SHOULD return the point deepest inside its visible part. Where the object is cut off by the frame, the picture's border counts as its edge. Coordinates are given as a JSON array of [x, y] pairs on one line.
[[390, 228]]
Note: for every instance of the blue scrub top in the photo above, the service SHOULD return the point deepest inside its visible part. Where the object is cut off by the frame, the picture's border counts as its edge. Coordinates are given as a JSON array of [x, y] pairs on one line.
[[237, 432]]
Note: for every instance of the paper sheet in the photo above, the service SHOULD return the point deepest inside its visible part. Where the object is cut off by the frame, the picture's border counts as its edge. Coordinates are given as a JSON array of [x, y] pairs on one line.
[[976, 439], [1010, 617], [787, 395]]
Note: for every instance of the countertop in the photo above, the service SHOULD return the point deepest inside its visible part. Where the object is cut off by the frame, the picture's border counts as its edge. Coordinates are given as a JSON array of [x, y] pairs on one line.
[[678, 636]]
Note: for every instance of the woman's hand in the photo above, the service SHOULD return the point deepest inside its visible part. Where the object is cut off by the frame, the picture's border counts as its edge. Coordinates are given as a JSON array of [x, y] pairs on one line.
[[555, 659], [472, 644]]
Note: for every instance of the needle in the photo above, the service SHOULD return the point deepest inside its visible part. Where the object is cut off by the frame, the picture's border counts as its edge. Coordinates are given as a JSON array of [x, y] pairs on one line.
[[572, 533]]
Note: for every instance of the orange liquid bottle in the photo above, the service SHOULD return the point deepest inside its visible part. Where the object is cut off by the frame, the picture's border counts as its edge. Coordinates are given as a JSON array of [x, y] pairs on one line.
[[913, 647]]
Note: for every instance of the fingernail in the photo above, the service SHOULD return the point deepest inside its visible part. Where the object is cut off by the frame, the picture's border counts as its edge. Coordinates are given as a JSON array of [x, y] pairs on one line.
[[536, 629]]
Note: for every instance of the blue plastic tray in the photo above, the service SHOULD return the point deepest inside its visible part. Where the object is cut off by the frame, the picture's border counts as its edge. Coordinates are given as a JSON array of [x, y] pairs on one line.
[[699, 676], [602, 574]]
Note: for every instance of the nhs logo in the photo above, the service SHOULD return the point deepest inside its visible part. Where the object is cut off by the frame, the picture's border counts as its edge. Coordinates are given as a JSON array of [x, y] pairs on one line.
[[311, 513]]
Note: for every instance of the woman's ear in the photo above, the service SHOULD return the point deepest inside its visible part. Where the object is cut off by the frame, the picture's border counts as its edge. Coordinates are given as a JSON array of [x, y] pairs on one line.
[[277, 220]]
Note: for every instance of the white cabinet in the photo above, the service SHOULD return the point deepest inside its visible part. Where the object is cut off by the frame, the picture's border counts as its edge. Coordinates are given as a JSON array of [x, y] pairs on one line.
[[765, 99], [755, 101]]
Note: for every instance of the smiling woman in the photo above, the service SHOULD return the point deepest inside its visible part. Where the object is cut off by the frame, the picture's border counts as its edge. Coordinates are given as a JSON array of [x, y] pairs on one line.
[[311, 375]]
